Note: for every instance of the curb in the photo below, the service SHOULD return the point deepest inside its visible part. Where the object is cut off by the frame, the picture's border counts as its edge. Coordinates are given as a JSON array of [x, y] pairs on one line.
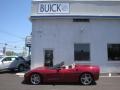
[[109, 76], [101, 76], [20, 74]]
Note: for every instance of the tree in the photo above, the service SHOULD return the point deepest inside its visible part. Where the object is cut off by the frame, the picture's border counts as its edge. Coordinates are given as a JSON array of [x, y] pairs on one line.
[[10, 53]]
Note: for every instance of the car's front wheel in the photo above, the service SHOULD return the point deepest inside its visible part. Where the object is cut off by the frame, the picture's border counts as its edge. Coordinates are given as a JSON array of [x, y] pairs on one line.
[[86, 79], [35, 79]]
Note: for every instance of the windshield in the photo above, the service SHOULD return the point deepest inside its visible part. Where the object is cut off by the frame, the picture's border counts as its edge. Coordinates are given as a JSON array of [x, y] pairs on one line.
[[57, 65]]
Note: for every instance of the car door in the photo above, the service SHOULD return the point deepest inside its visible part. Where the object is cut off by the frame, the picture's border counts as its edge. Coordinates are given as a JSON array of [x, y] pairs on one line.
[[51, 75], [68, 75], [6, 62]]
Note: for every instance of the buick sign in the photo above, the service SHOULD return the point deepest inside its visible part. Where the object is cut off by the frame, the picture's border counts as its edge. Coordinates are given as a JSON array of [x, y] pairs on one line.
[[28, 41], [53, 8]]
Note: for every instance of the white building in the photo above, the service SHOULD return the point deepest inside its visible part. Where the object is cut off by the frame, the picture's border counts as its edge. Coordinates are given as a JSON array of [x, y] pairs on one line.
[[75, 31]]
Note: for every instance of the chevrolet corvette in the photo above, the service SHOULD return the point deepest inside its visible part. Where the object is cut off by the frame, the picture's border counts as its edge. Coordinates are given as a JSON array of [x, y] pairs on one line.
[[83, 74]]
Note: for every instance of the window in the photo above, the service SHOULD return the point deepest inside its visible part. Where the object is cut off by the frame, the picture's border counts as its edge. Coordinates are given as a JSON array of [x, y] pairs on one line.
[[13, 58], [7, 59], [81, 20], [81, 52], [113, 52]]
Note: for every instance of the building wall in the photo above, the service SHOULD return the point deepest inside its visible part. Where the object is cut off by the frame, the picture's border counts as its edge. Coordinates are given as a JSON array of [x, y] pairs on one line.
[[60, 34]]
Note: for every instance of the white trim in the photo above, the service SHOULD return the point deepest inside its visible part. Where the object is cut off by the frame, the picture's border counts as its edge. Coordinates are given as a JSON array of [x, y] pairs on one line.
[[20, 74], [109, 77]]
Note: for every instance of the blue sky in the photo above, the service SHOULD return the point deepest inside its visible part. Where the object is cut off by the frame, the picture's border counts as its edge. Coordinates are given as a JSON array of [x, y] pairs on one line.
[[14, 23]]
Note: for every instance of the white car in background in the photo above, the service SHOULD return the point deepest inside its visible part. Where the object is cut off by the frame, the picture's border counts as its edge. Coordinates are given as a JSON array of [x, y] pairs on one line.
[[12, 63]]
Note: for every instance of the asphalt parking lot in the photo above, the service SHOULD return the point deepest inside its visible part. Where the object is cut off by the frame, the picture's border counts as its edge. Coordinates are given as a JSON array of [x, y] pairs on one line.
[[9, 81]]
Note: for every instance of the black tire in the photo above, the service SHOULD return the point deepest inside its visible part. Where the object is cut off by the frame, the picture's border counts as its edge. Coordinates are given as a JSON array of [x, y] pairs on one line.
[[35, 79], [21, 68], [86, 79]]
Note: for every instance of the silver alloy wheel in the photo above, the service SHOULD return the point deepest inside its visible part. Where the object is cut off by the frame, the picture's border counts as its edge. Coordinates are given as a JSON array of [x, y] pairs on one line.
[[86, 79], [35, 79]]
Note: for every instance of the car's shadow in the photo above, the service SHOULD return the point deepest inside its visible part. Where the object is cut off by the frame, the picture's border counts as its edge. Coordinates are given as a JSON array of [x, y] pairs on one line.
[[10, 72], [6, 72], [61, 83]]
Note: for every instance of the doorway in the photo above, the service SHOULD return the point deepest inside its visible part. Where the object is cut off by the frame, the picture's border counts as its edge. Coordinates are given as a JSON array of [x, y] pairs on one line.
[[48, 58]]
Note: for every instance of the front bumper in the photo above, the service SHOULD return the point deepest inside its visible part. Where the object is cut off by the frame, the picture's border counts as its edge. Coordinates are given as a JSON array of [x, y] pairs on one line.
[[26, 77]]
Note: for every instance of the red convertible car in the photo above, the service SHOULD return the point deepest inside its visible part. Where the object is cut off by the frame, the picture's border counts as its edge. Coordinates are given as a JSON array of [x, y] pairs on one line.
[[84, 74]]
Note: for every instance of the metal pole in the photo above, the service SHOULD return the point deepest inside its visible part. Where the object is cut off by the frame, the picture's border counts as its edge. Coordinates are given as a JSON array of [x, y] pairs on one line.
[[29, 52]]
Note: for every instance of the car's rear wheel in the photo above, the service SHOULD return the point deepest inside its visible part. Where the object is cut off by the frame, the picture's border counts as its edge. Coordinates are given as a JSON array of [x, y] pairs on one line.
[[35, 79], [21, 68], [86, 79]]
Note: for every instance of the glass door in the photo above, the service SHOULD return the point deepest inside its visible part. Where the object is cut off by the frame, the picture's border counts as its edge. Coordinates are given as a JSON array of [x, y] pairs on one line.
[[48, 58]]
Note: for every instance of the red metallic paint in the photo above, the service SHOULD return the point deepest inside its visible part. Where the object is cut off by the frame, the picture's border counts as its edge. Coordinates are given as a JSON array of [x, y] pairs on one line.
[[64, 75]]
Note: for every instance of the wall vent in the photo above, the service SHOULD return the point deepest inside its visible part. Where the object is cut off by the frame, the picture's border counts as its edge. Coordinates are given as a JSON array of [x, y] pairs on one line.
[[81, 20]]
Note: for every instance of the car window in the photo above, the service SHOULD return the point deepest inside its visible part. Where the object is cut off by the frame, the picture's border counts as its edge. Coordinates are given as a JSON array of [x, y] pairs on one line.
[[13, 58], [7, 59], [57, 66]]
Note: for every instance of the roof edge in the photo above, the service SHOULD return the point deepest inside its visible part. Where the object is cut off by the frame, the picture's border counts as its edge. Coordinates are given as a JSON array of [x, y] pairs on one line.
[[75, 16]]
